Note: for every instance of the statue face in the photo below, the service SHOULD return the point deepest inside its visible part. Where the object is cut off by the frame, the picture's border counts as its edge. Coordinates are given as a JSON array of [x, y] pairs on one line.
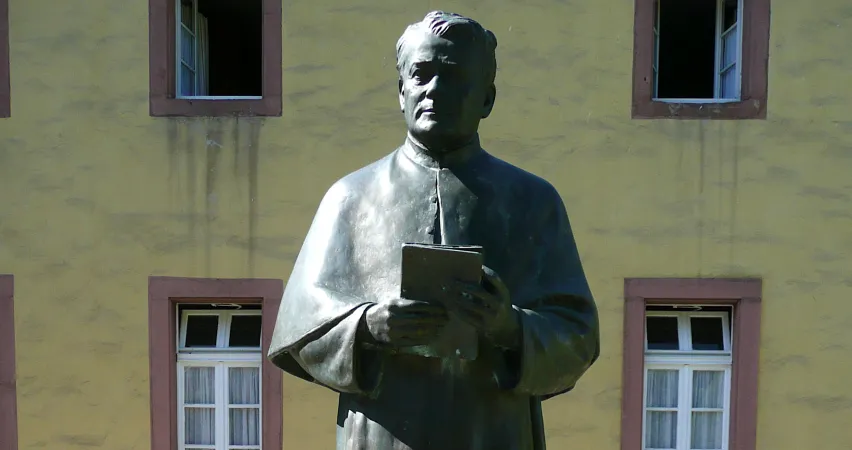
[[442, 91]]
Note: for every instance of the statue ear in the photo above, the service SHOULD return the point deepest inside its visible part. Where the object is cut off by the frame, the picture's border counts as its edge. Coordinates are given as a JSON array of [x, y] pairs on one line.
[[401, 97], [490, 97]]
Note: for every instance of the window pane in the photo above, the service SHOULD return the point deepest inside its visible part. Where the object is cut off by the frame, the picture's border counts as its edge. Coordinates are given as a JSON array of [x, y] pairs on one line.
[[707, 333], [186, 13], [661, 430], [200, 426], [201, 331], [199, 386], [244, 386], [245, 331], [708, 389], [728, 88], [662, 333], [729, 48], [662, 389], [244, 426], [706, 430], [187, 81], [187, 47]]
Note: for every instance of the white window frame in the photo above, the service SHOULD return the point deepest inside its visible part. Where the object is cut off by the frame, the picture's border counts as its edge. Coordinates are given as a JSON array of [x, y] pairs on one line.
[[686, 361], [179, 60], [720, 17], [221, 358]]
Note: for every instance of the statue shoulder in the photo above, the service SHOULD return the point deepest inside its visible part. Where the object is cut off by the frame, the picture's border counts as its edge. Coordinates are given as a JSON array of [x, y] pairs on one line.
[[353, 185], [531, 185]]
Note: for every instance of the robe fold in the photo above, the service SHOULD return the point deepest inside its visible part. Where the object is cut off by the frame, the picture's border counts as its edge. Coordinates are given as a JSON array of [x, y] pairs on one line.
[[351, 259]]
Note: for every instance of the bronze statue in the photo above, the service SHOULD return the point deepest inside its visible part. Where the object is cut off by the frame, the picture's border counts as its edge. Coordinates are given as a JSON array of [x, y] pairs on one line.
[[342, 323]]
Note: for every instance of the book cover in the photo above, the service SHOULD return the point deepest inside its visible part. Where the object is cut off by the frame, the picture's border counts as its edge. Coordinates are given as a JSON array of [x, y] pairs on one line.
[[426, 269]]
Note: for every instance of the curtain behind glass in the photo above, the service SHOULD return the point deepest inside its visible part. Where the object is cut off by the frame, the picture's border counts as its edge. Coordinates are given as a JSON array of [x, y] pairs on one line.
[[707, 396], [200, 421], [661, 426], [244, 405], [203, 55]]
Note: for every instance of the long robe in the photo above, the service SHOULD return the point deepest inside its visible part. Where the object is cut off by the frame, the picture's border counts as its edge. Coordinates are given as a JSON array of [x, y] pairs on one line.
[[351, 259]]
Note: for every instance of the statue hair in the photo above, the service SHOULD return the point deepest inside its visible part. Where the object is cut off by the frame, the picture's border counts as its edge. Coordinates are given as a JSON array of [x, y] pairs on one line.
[[453, 26]]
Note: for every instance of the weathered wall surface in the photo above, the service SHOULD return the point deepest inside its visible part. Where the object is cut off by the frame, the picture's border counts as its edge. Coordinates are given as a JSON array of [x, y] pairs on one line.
[[97, 195]]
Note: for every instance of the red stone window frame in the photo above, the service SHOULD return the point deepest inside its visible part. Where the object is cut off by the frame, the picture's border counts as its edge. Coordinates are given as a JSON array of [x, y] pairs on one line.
[[755, 63], [8, 391], [5, 78], [164, 294], [161, 66], [744, 295]]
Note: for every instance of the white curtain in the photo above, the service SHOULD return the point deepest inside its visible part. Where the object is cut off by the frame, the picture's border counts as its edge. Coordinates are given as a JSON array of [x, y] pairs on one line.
[[244, 391], [661, 392], [202, 67], [200, 389], [707, 394]]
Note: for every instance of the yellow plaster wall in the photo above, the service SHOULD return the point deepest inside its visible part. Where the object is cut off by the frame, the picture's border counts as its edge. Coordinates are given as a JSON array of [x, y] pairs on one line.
[[96, 196]]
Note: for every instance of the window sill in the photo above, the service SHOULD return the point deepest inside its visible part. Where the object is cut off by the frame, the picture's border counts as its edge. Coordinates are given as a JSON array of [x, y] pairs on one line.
[[721, 110], [186, 107]]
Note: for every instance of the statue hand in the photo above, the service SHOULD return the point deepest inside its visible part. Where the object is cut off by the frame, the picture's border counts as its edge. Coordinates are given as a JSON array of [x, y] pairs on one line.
[[488, 307], [404, 323]]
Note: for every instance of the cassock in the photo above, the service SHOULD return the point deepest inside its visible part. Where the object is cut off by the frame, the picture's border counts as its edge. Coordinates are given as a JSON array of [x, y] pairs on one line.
[[351, 259]]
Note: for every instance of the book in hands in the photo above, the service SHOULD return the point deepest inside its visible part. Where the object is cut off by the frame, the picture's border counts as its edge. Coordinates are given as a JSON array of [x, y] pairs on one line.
[[426, 270]]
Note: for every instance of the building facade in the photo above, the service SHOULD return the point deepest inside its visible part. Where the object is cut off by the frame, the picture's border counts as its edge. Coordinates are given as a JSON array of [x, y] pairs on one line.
[[155, 161]]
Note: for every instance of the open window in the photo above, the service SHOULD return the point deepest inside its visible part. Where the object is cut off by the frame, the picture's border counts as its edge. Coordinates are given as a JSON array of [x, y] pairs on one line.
[[697, 51], [215, 57], [701, 59], [220, 49]]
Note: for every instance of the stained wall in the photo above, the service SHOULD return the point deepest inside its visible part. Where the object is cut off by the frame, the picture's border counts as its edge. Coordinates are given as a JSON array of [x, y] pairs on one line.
[[96, 196]]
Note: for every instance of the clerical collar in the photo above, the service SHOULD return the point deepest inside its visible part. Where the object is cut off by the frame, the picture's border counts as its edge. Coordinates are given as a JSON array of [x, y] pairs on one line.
[[417, 153]]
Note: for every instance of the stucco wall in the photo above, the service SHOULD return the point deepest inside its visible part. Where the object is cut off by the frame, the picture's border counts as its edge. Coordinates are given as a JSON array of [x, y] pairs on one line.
[[97, 195]]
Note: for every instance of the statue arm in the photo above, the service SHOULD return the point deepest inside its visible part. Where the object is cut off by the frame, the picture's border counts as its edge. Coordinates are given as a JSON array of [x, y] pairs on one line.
[[337, 359], [557, 339], [317, 333]]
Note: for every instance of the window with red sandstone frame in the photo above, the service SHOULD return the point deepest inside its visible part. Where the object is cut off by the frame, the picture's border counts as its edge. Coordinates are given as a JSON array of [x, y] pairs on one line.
[[8, 391], [215, 57], [212, 386], [700, 59], [690, 364]]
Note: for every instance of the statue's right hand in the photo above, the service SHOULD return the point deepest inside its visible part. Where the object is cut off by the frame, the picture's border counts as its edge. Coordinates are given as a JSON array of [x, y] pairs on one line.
[[405, 323]]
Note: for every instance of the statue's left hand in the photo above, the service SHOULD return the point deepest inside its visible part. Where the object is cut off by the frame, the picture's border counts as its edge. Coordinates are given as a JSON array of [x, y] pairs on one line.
[[488, 307]]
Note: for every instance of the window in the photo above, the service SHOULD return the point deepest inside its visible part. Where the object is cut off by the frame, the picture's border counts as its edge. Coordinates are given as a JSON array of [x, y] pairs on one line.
[[5, 82], [8, 394], [220, 392], [701, 59], [687, 379], [218, 363], [690, 364], [215, 57]]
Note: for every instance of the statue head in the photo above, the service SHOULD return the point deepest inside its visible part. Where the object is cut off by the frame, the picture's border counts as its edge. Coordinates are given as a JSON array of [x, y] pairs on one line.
[[447, 66]]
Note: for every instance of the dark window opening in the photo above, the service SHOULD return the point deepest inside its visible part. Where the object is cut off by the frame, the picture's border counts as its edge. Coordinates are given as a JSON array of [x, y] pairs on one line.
[[201, 331], [687, 49], [245, 331], [707, 333], [221, 49], [662, 333]]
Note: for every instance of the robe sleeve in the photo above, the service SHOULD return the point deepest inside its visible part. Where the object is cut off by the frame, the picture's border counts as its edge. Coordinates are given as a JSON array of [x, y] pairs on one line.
[[317, 328], [559, 321]]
